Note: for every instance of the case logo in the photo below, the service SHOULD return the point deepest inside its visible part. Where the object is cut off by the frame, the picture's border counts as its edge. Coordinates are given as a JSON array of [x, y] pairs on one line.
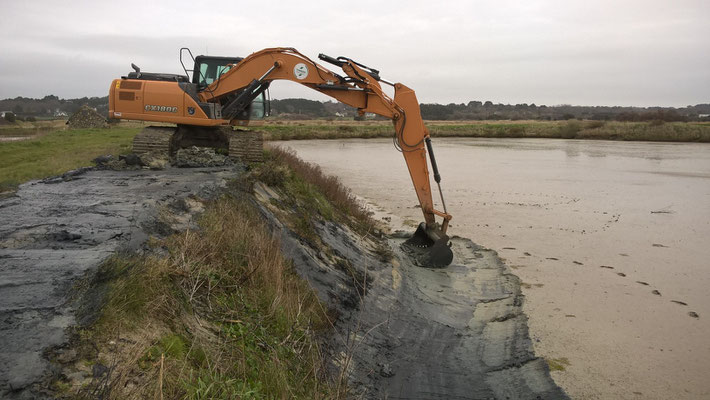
[[161, 108], [300, 71]]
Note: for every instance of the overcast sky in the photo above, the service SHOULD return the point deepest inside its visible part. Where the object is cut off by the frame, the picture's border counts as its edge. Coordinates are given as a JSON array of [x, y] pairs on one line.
[[593, 52]]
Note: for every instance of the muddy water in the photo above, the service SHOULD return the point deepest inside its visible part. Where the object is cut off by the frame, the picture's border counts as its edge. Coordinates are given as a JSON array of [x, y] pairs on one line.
[[609, 238]]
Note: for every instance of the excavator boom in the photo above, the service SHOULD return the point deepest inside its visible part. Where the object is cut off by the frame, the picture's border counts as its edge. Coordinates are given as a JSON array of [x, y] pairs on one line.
[[359, 87]]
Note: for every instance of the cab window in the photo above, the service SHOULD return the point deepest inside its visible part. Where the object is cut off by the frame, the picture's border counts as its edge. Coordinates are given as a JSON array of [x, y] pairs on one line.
[[210, 70], [258, 107]]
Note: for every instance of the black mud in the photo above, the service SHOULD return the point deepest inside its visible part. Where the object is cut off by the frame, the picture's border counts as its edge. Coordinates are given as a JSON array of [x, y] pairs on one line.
[[406, 332], [54, 232]]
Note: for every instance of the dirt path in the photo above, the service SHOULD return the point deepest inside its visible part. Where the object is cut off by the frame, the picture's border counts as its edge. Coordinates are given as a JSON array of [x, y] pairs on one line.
[[51, 234]]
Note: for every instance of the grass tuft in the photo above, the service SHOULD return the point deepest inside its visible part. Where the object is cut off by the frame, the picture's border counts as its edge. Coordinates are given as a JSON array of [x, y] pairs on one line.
[[558, 364], [308, 178]]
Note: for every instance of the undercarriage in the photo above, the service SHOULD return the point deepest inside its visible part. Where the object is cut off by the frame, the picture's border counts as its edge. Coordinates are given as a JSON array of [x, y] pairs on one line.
[[165, 141]]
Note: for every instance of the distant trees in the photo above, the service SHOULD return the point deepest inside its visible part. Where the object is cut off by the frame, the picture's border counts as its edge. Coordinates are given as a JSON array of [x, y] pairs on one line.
[[665, 115], [476, 110], [51, 106]]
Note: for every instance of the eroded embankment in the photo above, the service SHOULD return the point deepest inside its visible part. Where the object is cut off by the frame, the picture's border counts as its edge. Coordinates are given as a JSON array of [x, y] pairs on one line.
[[52, 233], [408, 332], [399, 331]]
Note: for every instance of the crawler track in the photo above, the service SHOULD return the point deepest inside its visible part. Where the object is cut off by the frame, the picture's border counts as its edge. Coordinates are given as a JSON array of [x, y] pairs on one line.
[[154, 139], [244, 145]]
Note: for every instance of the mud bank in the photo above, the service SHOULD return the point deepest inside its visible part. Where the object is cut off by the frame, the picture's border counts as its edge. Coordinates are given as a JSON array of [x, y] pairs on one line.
[[52, 233], [400, 331], [405, 332]]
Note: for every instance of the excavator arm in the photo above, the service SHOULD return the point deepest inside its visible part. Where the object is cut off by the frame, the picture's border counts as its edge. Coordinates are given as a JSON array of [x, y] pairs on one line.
[[359, 87]]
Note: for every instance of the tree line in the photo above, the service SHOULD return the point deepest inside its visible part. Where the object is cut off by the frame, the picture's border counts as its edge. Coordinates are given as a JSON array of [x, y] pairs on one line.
[[52, 106]]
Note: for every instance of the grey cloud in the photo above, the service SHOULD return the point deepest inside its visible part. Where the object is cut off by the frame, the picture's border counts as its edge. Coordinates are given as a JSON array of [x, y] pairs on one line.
[[545, 52]]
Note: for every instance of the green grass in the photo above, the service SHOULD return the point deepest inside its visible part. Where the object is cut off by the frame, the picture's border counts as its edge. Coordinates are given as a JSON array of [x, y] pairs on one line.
[[58, 152]]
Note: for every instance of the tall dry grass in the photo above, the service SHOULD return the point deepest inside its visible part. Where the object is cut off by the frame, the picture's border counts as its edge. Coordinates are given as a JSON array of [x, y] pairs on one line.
[[221, 314], [334, 190]]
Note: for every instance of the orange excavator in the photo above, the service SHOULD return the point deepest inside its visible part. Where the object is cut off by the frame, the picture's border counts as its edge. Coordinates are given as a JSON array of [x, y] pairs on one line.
[[229, 91]]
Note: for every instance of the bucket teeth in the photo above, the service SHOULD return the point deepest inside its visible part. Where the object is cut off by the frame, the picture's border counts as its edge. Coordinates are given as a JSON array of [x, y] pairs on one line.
[[429, 248], [421, 237]]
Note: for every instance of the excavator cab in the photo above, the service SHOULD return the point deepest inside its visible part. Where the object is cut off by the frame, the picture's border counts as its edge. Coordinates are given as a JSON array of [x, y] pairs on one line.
[[209, 68]]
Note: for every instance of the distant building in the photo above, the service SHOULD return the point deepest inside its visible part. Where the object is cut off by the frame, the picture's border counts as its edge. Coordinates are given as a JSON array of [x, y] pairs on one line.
[[703, 115], [2, 113]]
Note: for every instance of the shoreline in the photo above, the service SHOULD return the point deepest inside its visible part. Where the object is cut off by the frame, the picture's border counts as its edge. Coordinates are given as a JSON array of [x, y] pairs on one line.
[[605, 300]]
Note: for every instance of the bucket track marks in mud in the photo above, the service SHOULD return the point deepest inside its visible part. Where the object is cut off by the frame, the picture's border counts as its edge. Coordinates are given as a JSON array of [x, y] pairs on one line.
[[451, 333]]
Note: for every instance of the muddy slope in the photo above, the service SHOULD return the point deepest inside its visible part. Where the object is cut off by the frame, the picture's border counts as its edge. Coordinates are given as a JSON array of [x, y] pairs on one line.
[[401, 332], [406, 332], [52, 233]]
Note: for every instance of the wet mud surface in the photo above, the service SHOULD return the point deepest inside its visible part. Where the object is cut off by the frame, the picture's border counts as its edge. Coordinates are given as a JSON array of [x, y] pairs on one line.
[[406, 332], [608, 238], [54, 232]]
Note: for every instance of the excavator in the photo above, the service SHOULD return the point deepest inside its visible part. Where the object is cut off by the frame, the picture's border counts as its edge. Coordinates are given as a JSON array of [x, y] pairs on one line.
[[227, 92]]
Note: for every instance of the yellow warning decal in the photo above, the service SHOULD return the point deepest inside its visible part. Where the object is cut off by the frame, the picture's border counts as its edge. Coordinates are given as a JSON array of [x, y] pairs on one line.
[[118, 85]]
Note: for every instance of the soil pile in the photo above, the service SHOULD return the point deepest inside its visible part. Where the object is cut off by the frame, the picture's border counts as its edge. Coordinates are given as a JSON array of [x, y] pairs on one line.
[[194, 156], [86, 117], [152, 160]]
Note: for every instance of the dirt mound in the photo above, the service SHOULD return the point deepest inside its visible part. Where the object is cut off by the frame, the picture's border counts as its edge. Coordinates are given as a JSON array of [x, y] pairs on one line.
[[193, 157], [199, 157], [86, 117], [153, 160]]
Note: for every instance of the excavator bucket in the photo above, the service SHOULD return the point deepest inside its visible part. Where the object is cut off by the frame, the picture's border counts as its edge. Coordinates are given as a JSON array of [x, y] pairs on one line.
[[429, 248]]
